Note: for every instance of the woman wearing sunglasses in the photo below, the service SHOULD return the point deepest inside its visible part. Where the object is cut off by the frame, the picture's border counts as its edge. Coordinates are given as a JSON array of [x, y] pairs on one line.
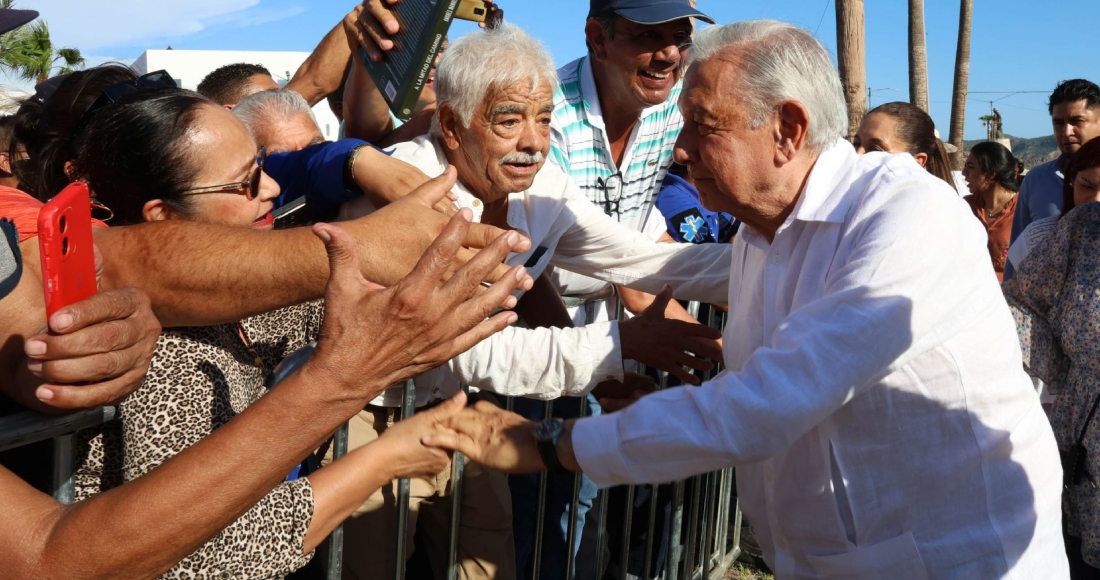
[[171, 154]]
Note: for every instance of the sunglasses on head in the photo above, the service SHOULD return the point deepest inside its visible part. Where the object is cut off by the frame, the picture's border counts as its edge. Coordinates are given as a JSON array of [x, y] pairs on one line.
[[249, 188], [155, 80]]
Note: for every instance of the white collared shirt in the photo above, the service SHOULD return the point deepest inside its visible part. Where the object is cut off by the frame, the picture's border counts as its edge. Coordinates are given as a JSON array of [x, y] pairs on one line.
[[570, 233], [875, 403]]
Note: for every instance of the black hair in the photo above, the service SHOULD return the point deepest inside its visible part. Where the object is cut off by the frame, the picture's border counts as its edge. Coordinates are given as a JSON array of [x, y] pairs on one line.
[[227, 85], [916, 128], [1087, 157], [1008, 172], [1072, 91], [134, 151], [606, 20], [45, 128]]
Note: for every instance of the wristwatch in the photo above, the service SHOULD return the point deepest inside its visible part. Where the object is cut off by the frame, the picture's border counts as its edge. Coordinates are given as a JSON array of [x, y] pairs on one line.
[[547, 435]]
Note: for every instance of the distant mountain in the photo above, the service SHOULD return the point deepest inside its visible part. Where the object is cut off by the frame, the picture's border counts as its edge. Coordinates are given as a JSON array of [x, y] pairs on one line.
[[1032, 152]]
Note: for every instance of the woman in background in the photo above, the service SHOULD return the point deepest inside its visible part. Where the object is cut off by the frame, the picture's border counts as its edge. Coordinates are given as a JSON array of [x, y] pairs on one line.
[[1055, 298], [904, 128], [993, 176]]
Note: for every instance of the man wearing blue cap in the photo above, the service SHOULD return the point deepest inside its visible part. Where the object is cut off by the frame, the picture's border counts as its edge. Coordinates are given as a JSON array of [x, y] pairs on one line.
[[614, 125]]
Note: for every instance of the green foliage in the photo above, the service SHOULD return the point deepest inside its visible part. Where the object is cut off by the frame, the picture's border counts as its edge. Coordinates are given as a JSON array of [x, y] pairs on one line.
[[29, 53]]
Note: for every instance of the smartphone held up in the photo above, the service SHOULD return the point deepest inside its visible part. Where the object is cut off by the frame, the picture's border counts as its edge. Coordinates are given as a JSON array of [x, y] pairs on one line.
[[65, 247]]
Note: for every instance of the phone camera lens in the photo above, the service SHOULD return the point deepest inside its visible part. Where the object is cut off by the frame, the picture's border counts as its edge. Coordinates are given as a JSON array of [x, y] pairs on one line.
[[64, 246], [62, 223]]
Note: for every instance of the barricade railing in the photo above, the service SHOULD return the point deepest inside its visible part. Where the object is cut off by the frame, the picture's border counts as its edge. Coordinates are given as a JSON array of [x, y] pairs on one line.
[[27, 427], [703, 549], [701, 544]]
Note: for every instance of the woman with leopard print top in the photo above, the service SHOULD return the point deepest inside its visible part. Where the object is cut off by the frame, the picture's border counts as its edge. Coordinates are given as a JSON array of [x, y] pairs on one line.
[[171, 154]]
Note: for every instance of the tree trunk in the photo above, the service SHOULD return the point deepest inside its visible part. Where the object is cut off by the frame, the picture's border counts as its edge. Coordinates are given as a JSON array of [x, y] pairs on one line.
[[851, 60], [918, 56], [962, 77]]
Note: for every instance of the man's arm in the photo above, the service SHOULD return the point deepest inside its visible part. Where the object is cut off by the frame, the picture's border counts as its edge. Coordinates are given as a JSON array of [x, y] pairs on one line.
[[321, 73], [366, 114], [598, 246], [370, 337], [206, 274]]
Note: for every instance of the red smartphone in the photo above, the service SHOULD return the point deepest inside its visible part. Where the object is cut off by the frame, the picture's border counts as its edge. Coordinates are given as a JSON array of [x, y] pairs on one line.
[[65, 245]]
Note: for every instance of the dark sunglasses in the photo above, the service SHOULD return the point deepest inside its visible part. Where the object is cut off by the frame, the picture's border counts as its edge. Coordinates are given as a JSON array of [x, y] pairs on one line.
[[612, 188], [249, 188], [155, 80]]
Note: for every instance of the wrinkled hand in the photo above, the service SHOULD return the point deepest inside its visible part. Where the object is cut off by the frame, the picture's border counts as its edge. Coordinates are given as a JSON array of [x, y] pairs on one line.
[[665, 344], [411, 458], [377, 23], [491, 436], [372, 336], [411, 224], [105, 341], [615, 395]]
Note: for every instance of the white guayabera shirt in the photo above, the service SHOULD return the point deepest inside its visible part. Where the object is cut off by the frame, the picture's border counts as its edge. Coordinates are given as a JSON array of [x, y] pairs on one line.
[[875, 402], [568, 232]]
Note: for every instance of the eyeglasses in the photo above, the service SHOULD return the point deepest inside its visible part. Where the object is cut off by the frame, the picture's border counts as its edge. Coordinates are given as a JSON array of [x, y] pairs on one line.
[[155, 80], [249, 188], [612, 187]]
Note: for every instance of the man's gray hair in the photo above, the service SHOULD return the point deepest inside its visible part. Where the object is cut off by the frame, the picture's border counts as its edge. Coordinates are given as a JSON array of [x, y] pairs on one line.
[[276, 105], [780, 62], [492, 59]]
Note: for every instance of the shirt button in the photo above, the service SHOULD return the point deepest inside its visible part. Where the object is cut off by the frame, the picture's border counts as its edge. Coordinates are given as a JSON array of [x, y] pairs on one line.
[[477, 203], [776, 260], [768, 475], [224, 576], [782, 543]]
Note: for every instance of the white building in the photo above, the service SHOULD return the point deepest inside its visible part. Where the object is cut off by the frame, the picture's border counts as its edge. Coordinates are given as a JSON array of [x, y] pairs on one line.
[[189, 67]]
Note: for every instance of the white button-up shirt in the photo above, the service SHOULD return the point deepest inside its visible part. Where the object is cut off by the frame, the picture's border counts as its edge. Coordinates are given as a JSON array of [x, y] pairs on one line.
[[567, 231], [874, 401]]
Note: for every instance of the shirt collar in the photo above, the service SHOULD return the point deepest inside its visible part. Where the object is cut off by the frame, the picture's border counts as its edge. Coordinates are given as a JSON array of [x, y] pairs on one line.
[[516, 216], [822, 199]]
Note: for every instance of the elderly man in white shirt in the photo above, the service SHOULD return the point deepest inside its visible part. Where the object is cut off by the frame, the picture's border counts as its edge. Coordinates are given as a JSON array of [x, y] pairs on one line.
[[874, 401], [495, 93]]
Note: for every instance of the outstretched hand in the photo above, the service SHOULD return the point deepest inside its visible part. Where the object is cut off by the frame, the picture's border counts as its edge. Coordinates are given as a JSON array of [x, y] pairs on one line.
[[491, 436], [372, 336], [616, 395], [669, 345]]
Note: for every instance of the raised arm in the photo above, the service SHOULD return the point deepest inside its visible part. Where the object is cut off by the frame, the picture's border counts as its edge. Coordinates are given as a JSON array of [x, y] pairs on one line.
[[371, 336], [321, 73], [207, 274]]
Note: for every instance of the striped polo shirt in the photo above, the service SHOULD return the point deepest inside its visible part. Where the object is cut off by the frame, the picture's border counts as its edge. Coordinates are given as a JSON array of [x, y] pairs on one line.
[[579, 144]]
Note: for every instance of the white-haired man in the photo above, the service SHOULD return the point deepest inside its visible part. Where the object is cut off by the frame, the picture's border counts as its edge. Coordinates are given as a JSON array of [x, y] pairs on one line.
[[495, 95], [874, 401]]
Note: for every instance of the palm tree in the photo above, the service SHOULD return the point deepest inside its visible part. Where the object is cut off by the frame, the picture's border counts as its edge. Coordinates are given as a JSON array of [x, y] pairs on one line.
[[30, 54], [962, 77], [851, 59], [918, 56]]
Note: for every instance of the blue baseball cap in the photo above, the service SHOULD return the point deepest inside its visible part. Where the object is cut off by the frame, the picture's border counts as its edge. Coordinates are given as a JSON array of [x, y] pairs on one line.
[[10, 18], [647, 11]]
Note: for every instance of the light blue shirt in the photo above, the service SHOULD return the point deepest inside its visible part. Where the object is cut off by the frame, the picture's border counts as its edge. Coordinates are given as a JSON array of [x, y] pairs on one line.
[[1040, 195]]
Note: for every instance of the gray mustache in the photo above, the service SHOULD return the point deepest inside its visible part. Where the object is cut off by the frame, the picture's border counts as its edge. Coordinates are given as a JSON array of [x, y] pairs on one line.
[[522, 158]]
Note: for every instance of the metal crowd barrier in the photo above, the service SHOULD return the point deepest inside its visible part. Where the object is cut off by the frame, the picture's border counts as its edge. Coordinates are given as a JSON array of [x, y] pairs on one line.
[[704, 526], [703, 549]]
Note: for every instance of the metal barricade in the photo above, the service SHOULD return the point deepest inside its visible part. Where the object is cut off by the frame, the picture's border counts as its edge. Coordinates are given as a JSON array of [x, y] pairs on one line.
[[700, 546], [29, 427]]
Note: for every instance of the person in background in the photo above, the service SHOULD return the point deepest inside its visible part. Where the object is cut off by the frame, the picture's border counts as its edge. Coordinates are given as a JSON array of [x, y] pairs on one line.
[[1074, 108], [687, 220], [993, 176], [228, 84], [904, 128], [7, 156], [1054, 298]]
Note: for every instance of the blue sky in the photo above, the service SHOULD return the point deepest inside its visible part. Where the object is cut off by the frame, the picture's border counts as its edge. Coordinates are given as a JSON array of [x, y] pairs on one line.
[[1017, 45]]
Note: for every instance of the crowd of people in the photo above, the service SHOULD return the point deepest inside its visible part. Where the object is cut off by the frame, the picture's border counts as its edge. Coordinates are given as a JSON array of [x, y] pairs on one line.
[[892, 408]]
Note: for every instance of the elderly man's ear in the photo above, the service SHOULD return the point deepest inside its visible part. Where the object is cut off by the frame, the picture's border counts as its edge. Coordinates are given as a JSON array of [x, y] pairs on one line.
[[448, 126], [791, 123]]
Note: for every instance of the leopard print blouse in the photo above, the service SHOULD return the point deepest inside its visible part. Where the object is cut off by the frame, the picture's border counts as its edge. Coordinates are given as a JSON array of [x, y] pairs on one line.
[[198, 380]]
